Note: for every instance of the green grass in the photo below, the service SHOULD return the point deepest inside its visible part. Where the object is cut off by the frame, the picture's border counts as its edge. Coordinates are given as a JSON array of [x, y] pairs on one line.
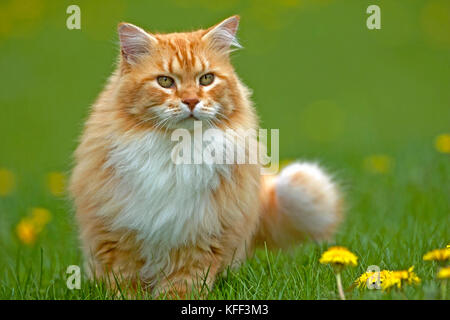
[[392, 220], [337, 91]]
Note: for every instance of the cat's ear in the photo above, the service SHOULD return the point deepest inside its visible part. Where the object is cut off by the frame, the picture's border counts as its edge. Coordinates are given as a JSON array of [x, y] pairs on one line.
[[134, 42], [222, 36]]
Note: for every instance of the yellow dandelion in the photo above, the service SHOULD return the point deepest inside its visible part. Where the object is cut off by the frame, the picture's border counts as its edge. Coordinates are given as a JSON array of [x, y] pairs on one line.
[[437, 255], [391, 282], [412, 278], [56, 182], [339, 256], [440, 255], [399, 278], [444, 273], [30, 227], [361, 282], [442, 143], [7, 182], [26, 231], [379, 163], [435, 22], [40, 217]]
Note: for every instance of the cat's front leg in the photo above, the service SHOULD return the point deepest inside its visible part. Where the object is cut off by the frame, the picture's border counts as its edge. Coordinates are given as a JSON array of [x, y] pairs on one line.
[[192, 275]]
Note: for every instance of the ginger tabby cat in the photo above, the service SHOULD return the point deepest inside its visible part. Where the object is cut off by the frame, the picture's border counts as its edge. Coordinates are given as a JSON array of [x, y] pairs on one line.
[[169, 227]]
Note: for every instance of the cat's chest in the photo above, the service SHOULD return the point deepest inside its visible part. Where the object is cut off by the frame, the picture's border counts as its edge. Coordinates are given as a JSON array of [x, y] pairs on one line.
[[167, 204]]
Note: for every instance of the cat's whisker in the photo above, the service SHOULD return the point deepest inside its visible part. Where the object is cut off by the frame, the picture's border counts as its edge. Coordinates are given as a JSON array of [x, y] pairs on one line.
[[221, 114], [161, 123]]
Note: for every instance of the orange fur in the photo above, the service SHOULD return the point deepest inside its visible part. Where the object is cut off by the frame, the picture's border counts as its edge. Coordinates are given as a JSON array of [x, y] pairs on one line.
[[121, 115]]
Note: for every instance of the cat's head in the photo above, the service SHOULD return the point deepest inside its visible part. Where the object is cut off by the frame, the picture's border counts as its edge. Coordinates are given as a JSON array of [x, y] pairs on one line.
[[171, 80]]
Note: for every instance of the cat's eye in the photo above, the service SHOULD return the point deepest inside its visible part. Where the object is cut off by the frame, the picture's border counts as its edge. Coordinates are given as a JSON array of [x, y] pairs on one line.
[[165, 82], [206, 79]]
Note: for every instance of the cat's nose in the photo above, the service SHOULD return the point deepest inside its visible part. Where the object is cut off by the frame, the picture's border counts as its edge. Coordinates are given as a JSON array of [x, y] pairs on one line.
[[191, 102]]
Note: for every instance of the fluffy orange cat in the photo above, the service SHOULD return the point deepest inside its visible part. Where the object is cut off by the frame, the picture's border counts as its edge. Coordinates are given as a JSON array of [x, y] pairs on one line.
[[170, 227]]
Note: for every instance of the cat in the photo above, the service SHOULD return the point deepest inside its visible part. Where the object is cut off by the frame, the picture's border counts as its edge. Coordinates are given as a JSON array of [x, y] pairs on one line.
[[168, 227]]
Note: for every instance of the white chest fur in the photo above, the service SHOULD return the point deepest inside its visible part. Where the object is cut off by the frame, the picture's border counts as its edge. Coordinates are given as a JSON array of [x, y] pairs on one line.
[[166, 204]]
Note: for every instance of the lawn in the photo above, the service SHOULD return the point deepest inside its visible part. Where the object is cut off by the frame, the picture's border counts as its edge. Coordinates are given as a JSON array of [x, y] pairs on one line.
[[368, 105], [392, 220]]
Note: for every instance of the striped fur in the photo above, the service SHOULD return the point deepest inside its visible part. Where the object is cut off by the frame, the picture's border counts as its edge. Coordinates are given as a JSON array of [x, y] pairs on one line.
[[167, 226]]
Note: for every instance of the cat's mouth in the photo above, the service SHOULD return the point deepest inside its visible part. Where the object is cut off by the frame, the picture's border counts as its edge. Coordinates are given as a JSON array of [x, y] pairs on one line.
[[189, 116], [188, 120]]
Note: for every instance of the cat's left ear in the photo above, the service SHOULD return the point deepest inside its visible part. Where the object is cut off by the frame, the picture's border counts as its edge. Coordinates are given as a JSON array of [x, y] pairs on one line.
[[222, 36]]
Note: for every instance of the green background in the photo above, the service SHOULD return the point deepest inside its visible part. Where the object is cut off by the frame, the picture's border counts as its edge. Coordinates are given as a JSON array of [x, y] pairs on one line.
[[337, 91]]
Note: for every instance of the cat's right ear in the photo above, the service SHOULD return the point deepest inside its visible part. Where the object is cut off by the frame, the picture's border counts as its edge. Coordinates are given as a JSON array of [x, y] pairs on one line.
[[134, 42]]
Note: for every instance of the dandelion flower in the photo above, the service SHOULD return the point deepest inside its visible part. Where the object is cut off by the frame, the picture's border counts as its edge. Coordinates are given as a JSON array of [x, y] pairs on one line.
[[339, 256], [440, 255], [399, 278], [437, 255], [444, 273], [30, 227], [40, 217], [56, 182], [391, 282], [379, 163], [389, 279], [442, 143], [361, 282], [26, 231]]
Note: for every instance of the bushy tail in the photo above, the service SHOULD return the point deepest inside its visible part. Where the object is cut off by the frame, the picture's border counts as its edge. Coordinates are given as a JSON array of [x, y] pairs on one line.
[[301, 202]]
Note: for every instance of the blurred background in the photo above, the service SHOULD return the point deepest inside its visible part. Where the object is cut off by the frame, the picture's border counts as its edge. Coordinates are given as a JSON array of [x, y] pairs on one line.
[[362, 102], [318, 74]]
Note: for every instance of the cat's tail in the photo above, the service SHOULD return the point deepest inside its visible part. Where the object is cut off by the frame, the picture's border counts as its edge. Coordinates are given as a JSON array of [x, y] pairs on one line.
[[302, 202]]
